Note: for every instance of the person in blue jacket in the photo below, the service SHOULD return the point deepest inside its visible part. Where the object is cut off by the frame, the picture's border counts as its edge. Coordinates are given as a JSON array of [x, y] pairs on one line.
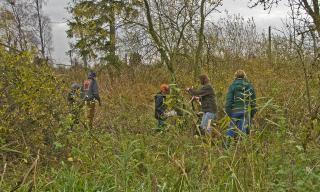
[[160, 106]]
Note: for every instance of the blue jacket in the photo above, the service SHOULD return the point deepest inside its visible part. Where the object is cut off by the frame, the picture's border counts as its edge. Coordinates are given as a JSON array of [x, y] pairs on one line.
[[160, 106]]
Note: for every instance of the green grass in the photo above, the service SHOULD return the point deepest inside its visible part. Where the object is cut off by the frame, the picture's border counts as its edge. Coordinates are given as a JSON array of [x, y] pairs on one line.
[[271, 159], [123, 153]]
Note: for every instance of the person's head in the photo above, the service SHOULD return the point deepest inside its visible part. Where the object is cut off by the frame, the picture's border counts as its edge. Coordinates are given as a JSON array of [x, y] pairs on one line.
[[164, 88], [240, 74], [92, 75], [204, 79], [75, 86]]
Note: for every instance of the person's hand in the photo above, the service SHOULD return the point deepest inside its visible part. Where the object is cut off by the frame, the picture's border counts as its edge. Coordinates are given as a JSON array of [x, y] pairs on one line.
[[188, 89], [170, 113]]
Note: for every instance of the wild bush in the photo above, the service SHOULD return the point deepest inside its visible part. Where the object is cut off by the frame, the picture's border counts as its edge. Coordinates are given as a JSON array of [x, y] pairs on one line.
[[32, 104]]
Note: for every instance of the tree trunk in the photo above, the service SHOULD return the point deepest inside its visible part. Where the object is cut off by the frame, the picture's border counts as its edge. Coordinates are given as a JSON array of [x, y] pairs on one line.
[[196, 65], [38, 7], [22, 41], [158, 42], [269, 45], [112, 34]]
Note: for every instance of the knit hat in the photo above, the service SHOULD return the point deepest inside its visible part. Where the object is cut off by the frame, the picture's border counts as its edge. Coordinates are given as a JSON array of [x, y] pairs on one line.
[[75, 86], [92, 74]]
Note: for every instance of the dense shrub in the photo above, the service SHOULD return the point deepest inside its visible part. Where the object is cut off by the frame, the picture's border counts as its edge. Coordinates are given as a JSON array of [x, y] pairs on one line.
[[32, 103]]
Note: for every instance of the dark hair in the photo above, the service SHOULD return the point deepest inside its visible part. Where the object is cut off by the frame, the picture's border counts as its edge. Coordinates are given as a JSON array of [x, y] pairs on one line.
[[204, 79]]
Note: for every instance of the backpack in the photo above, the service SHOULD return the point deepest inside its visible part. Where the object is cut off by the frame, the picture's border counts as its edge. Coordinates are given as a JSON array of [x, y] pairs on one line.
[[87, 84]]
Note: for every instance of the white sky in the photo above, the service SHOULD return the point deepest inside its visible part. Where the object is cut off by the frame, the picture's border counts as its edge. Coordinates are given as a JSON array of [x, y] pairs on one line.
[[56, 10]]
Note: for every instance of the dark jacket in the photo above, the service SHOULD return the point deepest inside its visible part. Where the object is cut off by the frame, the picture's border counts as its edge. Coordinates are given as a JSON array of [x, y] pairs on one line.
[[93, 92], [72, 97], [207, 98], [241, 97], [160, 106]]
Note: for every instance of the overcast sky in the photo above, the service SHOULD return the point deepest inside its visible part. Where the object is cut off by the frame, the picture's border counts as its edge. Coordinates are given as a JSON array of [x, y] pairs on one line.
[[56, 10]]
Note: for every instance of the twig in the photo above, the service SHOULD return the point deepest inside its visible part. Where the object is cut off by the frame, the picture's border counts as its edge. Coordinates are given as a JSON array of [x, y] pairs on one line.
[[35, 171], [4, 171], [154, 184], [9, 47], [33, 166], [90, 133]]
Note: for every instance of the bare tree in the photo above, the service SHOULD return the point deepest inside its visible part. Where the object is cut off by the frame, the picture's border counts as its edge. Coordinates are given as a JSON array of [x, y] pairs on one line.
[[307, 10], [174, 26], [233, 37], [38, 6], [304, 30], [24, 26]]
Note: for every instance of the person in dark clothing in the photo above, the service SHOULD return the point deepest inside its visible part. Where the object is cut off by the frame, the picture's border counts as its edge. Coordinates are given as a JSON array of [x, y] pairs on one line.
[[160, 106], [240, 104], [207, 98], [91, 95], [74, 93], [75, 103]]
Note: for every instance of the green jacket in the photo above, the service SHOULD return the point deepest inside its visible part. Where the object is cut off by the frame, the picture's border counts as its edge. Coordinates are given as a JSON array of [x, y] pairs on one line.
[[241, 97], [207, 97]]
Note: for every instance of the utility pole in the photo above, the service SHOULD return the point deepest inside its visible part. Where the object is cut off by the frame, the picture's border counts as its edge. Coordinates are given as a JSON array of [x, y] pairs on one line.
[[112, 31], [269, 45]]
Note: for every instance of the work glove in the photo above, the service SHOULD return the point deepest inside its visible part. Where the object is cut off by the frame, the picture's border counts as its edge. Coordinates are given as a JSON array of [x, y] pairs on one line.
[[171, 113], [253, 112]]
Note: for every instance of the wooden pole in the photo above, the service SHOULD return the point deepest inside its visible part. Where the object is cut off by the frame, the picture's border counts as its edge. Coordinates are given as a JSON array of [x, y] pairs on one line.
[[269, 45]]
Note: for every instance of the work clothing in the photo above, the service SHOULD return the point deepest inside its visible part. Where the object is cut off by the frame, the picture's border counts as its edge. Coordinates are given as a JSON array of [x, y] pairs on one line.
[[160, 108], [91, 90], [241, 97], [91, 95], [240, 106], [241, 121], [208, 106], [207, 98], [205, 122]]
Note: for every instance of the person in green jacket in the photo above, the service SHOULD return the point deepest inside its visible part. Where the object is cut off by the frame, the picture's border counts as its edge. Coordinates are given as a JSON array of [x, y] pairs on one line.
[[240, 104], [207, 98]]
